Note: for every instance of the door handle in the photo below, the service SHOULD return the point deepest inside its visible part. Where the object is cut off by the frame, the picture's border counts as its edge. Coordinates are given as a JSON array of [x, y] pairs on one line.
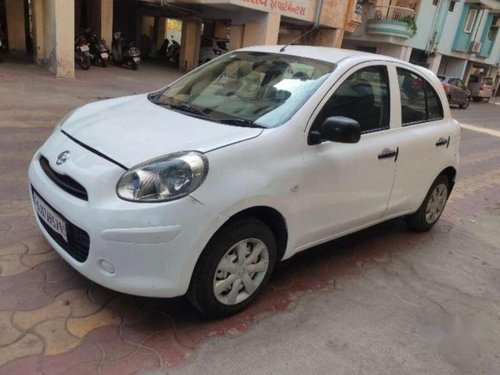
[[443, 141], [387, 153]]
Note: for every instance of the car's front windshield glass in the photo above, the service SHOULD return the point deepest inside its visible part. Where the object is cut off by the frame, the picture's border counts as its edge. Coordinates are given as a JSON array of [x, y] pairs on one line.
[[247, 88]]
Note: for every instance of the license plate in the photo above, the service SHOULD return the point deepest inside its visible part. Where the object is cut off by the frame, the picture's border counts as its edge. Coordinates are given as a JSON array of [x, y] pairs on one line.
[[137, 59], [104, 55], [84, 48], [48, 215]]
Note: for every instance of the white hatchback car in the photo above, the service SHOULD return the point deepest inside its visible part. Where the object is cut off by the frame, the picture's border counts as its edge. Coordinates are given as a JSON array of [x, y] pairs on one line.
[[201, 187]]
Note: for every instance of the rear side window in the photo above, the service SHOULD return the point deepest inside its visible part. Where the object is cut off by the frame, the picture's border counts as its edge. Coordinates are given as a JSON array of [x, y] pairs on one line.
[[419, 101]]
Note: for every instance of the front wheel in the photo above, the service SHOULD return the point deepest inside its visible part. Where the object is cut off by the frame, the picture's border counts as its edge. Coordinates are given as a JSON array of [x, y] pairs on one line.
[[432, 207], [465, 104], [233, 268], [83, 62]]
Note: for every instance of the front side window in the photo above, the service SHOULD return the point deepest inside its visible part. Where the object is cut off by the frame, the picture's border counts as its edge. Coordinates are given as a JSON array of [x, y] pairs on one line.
[[246, 88], [469, 21], [419, 101], [363, 97]]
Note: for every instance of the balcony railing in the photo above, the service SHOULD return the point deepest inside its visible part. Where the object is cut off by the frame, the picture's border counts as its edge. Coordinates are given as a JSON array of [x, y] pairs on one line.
[[393, 21], [394, 13]]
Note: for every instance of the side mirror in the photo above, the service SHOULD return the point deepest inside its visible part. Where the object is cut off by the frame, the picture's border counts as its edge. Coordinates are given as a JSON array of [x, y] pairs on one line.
[[336, 129]]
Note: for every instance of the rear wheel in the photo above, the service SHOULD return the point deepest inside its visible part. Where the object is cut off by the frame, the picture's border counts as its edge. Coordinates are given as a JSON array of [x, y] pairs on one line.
[[135, 66], [432, 207], [233, 268]]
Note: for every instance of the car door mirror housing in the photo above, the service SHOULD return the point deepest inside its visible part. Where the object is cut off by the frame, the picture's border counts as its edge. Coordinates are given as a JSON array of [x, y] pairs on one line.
[[336, 129]]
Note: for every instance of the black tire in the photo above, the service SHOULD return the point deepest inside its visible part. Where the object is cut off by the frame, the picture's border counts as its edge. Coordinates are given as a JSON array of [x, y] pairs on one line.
[[135, 66], [418, 221], [83, 62], [465, 105], [201, 293], [103, 63]]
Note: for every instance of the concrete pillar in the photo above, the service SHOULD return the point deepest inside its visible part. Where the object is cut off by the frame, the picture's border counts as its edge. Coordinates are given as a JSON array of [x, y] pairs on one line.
[[329, 37], [434, 62], [264, 32], [162, 29], [190, 44], [15, 25], [106, 12], [38, 28], [220, 29], [59, 37], [236, 37]]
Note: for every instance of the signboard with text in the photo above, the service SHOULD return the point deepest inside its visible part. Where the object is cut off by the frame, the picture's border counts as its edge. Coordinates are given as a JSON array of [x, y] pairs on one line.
[[292, 8]]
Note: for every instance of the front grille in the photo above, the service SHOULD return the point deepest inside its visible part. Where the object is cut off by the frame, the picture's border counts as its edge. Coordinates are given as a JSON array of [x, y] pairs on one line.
[[78, 240], [64, 182]]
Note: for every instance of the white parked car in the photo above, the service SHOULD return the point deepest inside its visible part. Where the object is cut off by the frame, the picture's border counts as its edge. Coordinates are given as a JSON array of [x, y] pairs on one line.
[[211, 48], [201, 187]]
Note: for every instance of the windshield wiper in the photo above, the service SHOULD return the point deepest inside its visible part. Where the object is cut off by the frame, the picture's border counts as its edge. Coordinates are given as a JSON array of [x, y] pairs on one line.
[[188, 109], [241, 122]]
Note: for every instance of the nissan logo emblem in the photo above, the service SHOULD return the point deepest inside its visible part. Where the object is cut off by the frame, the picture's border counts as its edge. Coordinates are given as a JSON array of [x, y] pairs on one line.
[[62, 158]]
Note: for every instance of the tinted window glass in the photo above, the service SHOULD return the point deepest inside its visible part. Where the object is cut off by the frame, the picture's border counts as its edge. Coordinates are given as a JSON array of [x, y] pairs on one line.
[[434, 108], [364, 97], [412, 92], [473, 79], [419, 101]]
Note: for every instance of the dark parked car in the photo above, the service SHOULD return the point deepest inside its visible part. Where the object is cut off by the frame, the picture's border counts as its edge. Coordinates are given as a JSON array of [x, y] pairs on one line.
[[456, 91]]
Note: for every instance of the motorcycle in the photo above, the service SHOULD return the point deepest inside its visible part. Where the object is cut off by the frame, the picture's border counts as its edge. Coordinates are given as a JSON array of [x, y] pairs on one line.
[[125, 53], [83, 57], [173, 52], [98, 49]]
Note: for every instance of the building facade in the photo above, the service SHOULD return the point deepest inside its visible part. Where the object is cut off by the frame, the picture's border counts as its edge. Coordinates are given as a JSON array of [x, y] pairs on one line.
[[451, 37], [47, 28]]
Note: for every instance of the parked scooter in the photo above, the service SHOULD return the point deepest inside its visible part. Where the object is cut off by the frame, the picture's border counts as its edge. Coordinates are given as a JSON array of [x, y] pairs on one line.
[[125, 53], [83, 57], [173, 52], [98, 49]]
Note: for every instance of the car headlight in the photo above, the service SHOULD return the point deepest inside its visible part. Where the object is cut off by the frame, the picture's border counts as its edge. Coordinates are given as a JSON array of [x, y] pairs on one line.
[[165, 178], [61, 122]]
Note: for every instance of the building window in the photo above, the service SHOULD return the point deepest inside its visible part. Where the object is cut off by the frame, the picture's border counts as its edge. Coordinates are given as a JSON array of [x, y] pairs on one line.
[[435, 2], [470, 20], [452, 6]]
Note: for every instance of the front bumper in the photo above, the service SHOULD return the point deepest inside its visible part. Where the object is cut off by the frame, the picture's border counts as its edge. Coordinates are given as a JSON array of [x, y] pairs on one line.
[[147, 249]]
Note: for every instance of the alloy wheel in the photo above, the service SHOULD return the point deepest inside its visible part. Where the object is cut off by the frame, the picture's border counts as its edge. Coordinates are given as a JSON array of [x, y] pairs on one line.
[[436, 203]]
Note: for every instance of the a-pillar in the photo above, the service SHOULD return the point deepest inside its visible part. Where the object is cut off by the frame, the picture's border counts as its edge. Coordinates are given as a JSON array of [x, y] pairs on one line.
[[55, 23], [190, 44], [107, 21], [264, 30], [329, 37], [15, 25]]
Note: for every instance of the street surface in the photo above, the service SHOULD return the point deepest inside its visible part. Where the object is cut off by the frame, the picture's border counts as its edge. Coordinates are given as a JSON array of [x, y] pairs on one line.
[[383, 301]]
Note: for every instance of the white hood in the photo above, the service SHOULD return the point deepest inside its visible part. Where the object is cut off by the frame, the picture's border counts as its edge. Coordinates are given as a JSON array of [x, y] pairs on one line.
[[131, 130]]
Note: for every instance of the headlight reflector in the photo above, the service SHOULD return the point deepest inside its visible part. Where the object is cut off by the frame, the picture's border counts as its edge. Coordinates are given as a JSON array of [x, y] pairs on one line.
[[165, 178]]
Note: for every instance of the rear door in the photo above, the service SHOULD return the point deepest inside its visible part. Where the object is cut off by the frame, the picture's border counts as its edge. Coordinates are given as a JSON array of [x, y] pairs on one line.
[[423, 138]]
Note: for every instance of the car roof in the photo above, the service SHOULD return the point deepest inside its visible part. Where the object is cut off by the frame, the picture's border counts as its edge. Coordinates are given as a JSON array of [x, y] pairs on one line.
[[328, 54]]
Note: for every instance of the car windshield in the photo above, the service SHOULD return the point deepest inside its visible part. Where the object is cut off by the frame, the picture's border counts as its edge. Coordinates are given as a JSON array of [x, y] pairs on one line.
[[223, 44], [246, 88]]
